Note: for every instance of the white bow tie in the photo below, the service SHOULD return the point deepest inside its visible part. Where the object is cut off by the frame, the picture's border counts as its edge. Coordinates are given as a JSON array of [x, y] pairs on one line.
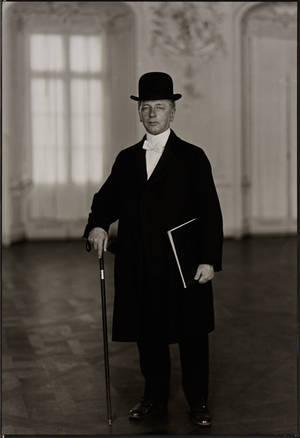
[[152, 146]]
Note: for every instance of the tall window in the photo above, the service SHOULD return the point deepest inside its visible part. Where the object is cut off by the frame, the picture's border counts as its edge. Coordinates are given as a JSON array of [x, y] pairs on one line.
[[67, 74], [67, 106]]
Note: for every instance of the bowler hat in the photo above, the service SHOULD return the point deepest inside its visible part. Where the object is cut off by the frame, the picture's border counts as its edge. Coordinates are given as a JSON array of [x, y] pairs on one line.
[[156, 86]]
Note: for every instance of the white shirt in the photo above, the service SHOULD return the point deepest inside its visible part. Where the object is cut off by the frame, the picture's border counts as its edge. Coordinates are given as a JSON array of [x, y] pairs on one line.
[[156, 143]]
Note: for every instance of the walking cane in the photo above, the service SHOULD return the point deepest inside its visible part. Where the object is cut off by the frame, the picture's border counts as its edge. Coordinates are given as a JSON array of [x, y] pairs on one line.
[[105, 337]]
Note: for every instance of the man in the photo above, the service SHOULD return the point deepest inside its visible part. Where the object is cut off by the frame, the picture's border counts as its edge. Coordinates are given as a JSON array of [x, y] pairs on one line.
[[155, 185]]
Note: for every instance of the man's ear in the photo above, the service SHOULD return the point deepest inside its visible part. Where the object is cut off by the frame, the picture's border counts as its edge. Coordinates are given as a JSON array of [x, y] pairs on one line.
[[139, 111]]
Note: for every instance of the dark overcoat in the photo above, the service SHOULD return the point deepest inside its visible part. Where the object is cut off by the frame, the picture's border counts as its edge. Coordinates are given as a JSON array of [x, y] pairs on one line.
[[150, 300]]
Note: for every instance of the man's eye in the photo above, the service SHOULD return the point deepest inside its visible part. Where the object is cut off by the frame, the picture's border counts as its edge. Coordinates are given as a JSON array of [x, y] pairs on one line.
[[147, 108]]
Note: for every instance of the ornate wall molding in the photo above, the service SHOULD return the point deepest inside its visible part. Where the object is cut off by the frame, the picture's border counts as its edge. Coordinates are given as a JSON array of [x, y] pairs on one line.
[[186, 28], [189, 30], [279, 12], [241, 10], [264, 26], [70, 15]]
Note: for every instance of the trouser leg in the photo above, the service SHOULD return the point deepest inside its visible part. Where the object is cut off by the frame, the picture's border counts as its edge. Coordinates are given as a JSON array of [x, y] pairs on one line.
[[155, 367], [194, 356]]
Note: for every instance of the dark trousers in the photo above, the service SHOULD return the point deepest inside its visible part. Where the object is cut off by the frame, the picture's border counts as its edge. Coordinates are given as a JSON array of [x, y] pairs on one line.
[[156, 368]]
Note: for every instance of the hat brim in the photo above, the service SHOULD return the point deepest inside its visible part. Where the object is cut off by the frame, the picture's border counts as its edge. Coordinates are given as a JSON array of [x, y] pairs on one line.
[[175, 96]]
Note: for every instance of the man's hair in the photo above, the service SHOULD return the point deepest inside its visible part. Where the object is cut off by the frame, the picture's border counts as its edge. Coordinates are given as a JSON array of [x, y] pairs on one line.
[[172, 103]]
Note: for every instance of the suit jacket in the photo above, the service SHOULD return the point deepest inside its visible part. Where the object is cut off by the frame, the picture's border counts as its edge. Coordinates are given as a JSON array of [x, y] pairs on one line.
[[150, 300]]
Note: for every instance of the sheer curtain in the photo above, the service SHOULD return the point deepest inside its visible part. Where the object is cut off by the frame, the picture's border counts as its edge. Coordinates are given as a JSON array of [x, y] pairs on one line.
[[68, 109]]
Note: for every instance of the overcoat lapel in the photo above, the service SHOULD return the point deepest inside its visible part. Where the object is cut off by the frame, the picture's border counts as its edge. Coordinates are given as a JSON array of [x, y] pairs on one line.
[[165, 160], [141, 162]]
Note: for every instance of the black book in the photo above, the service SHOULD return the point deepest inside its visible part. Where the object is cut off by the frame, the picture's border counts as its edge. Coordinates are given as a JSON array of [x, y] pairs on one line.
[[184, 240]]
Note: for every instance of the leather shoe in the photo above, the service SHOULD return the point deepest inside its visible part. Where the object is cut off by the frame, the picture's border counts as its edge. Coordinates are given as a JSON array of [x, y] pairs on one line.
[[200, 415], [146, 408]]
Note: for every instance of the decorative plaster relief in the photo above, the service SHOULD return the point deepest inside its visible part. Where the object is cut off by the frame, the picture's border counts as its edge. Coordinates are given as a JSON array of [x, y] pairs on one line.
[[188, 30], [283, 13], [71, 14]]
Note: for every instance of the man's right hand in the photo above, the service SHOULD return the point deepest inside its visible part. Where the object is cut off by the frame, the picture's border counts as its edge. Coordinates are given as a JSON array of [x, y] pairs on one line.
[[98, 238]]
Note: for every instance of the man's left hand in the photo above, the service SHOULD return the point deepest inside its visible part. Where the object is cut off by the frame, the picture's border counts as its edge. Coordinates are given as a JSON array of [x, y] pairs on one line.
[[204, 273]]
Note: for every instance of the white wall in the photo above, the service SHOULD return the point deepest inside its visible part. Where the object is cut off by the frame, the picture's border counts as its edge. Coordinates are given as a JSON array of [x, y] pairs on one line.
[[209, 75]]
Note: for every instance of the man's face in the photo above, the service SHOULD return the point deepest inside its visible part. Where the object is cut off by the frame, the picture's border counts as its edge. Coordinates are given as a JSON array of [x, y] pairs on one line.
[[156, 115]]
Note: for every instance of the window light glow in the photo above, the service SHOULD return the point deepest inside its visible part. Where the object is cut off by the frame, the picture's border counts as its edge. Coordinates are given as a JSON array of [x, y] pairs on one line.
[[67, 110]]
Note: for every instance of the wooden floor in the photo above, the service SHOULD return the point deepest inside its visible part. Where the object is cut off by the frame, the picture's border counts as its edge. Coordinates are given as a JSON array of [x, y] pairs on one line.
[[52, 367]]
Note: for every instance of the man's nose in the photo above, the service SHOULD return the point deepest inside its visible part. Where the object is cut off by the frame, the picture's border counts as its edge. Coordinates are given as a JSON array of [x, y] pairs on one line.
[[152, 112]]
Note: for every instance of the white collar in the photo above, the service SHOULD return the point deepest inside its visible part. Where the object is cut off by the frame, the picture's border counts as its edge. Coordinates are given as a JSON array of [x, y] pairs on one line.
[[159, 139]]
